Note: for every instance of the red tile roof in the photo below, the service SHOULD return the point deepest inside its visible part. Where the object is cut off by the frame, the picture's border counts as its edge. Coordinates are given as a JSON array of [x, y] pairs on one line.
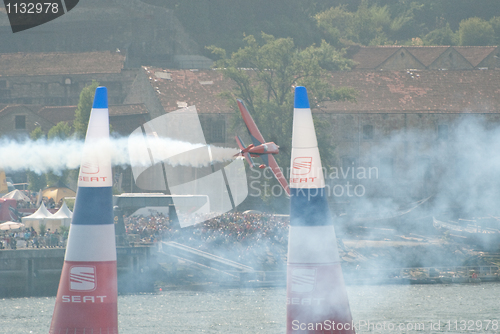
[[427, 54], [475, 54], [426, 91], [56, 114], [199, 88], [370, 57], [473, 91], [127, 109], [58, 63]]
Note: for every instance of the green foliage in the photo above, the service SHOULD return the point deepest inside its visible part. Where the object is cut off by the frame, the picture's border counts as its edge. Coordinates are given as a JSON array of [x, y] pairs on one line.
[[43, 229], [82, 113], [441, 36], [61, 131], [36, 181], [476, 31], [37, 134], [64, 231], [383, 22], [495, 24], [70, 202], [368, 25], [265, 73], [336, 23], [366, 22]]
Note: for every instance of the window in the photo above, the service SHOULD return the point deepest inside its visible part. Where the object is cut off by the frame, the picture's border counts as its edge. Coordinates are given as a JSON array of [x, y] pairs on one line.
[[214, 128], [217, 133], [367, 132], [20, 122], [443, 132]]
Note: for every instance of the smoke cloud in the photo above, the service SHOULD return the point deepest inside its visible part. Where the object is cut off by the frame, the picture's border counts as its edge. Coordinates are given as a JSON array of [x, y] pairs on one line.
[[460, 169], [57, 155]]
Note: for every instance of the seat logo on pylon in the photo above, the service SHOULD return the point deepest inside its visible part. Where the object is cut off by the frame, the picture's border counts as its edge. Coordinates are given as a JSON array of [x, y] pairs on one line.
[[303, 280], [301, 165], [82, 278], [89, 168]]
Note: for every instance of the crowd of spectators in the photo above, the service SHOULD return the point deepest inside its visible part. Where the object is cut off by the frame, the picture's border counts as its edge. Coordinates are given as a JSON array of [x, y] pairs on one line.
[[33, 202], [29, 238], [257, 240]]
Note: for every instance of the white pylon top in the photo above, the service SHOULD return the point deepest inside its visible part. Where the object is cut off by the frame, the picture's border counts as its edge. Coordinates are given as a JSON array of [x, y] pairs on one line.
[[95, 170]]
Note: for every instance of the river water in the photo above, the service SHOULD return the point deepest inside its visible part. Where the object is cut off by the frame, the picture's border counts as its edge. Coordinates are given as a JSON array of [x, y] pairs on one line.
[[467, 308]]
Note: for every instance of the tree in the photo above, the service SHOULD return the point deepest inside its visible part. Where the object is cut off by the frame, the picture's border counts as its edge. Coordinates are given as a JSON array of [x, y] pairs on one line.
[[60, 131], [37, 133], [82, 113], [441, 36], [264, 75], [476, 32], [495, 23]]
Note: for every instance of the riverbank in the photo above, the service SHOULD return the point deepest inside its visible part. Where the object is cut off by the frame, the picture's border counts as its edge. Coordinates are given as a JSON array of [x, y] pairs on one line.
[[410, 260], [36, 272]]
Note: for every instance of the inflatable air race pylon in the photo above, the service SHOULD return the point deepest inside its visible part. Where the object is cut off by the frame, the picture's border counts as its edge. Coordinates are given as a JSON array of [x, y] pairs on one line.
[[316, 294], [86, 300]]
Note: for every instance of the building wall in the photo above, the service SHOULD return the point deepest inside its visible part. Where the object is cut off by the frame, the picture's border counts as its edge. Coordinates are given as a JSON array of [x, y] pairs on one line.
[[141, 91], [31, 120], [58, 90]]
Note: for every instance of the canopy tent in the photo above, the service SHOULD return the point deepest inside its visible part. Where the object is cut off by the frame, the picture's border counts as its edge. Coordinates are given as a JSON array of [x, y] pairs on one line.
[[17, 195], [61, 218], [36, 219], [7, 226], [57, 193]]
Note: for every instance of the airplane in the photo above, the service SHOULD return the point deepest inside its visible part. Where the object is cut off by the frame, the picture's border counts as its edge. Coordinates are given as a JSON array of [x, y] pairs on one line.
[[259, 148]]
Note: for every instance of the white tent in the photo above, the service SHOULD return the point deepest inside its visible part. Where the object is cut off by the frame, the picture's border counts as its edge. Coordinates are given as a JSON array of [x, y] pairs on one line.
[[17, 195], [61, 218], [39, 217]]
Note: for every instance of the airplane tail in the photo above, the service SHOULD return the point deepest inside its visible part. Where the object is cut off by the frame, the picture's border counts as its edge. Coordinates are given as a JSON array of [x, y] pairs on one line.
[[240, 143], [86, 300], [316, 290], [244, 152]]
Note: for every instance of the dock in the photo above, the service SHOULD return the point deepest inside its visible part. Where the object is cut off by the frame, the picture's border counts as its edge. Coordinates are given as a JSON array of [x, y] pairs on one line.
[[36, 272]]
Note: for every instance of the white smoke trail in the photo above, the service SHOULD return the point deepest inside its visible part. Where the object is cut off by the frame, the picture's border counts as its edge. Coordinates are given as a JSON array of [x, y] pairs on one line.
[[57, 155]]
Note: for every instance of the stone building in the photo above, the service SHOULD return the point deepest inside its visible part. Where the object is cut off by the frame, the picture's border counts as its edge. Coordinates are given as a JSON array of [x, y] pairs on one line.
[[175, 89], [411, 104], [398, 140], [18, 121], [403, 123], [57, 78]]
